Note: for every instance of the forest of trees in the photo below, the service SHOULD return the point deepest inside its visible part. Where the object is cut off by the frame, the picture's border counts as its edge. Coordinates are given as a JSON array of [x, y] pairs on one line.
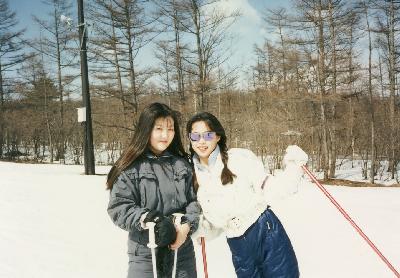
[[326, 78]]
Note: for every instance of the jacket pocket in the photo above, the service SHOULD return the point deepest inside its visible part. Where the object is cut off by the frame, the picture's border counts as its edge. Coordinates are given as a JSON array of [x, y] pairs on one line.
[[181, 175], [138, 253], [142, 251], [148, 190], [180, 181]]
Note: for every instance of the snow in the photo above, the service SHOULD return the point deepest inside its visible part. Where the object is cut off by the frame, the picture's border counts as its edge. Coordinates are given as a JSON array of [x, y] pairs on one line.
[[54, 224]]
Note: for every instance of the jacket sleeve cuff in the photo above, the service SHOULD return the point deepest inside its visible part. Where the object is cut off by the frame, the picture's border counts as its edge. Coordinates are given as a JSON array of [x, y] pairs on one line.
[[140, 225]]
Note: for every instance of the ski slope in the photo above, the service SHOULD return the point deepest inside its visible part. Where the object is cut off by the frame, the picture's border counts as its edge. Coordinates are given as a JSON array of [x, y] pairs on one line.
[[53, 223]]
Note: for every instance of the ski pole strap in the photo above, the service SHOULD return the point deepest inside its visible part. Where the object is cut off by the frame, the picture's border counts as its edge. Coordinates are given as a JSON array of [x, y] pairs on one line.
[[355, 226]]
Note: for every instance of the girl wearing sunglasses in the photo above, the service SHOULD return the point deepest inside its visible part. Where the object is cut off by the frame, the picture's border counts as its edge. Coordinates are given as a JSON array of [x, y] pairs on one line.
[[150, 181], [229, 190]]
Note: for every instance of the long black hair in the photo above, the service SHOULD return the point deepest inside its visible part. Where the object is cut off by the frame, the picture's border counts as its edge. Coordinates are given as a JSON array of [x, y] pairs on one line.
[[215, 125], [141, 137]]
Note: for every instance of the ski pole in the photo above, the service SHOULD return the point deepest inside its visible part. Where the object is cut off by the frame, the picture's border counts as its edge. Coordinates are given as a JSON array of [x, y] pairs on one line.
[[152, 245], [345, 214], [203, 252], [177, 222]]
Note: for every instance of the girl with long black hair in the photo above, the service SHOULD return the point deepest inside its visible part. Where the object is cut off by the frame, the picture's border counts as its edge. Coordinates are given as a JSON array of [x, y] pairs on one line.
[[149, 182], [229, 186]]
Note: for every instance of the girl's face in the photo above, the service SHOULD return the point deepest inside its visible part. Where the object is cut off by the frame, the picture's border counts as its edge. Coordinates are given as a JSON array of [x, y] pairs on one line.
[[203, 148], [162, 134]]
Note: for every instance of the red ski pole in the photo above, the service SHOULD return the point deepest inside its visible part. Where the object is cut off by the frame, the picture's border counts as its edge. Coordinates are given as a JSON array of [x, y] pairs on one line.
[[345, 214], [203, 252]]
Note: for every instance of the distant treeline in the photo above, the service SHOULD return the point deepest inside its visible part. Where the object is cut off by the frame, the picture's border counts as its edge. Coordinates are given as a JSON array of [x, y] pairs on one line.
[[326, 78]]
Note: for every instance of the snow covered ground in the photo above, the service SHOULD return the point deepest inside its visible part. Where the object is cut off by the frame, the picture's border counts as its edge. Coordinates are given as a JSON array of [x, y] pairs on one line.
[[53, 223]]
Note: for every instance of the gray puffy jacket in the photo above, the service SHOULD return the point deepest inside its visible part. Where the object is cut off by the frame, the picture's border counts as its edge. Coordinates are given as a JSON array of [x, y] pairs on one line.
[[162, 183]]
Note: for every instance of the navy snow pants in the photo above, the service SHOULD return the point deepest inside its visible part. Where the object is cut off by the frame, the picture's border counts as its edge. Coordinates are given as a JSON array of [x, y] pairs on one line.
[[264, 250]]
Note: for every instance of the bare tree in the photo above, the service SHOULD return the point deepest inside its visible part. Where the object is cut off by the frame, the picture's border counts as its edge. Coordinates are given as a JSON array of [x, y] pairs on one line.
[[209, 26], [265, 68], [136, 29], [315, 17], [162, 54], [388, 23], [277, 21], [55, 46], [364, 7], [40, 96], [353, 70], [170, 15], [106, 55], [11, 55]]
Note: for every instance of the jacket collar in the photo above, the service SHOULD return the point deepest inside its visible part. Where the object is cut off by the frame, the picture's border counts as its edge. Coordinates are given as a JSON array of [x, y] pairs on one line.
[[149, 154], [211, 160]]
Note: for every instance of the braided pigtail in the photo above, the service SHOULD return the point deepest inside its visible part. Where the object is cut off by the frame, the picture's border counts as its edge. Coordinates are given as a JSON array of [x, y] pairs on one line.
[[226, 175]]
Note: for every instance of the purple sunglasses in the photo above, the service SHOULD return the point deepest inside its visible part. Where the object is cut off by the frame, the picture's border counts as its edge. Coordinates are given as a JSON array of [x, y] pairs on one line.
[[207, 136]]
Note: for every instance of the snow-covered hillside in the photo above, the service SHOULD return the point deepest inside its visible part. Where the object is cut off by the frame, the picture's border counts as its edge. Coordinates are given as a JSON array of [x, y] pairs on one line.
[[53, 223]]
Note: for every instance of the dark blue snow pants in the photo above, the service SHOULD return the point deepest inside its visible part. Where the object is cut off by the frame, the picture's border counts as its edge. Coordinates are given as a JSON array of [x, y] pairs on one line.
[[264, 250]]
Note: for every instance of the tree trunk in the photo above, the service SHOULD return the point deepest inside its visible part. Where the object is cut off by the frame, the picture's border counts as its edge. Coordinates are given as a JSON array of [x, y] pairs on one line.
[[200, 61], [178, 58], [1, 111], [322, 92], [132, 74], [392, 86], [372, 123], [61, 150], [332, 164], [118, 70]]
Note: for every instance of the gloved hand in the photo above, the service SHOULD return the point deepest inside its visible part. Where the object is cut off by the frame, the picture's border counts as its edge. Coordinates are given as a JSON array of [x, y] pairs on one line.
[[292, 161], [164, 230], [294, 156], [286, 182], [206, 230]]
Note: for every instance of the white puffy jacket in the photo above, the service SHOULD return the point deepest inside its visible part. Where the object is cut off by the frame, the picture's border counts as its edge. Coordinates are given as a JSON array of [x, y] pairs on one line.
[[231, 208]]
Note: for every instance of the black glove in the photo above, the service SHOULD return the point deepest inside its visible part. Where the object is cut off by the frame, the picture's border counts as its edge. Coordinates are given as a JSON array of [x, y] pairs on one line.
[[165, 261], [164, 229], [165, 232]]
